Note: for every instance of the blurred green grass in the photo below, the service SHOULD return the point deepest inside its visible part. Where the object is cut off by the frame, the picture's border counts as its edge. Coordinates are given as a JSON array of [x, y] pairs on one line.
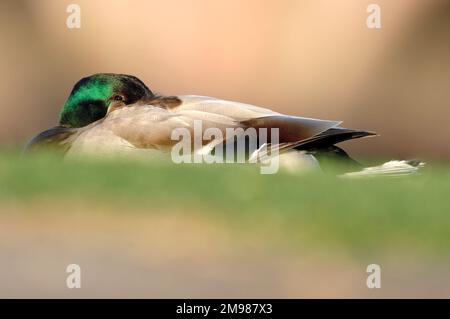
[[362, 216]]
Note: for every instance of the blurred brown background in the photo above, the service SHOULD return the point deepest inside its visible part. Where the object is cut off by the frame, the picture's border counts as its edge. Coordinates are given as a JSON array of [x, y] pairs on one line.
[[309, 58]]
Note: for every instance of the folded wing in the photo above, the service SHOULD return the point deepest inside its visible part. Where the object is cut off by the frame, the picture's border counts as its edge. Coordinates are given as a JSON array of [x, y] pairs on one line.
[[150, 126]]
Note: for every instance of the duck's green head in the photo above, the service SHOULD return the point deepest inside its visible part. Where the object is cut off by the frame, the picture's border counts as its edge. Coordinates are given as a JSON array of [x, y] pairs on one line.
[[92, 96]]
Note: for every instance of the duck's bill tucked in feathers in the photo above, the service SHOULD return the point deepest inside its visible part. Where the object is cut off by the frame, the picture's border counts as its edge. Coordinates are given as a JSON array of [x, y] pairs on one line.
[[55, 138]]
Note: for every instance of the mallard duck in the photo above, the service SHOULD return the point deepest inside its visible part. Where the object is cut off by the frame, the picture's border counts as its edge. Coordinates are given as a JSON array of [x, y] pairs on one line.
[[108, 114]]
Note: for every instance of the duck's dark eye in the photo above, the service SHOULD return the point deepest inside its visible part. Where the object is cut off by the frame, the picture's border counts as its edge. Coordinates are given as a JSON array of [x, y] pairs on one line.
[[118, 98]]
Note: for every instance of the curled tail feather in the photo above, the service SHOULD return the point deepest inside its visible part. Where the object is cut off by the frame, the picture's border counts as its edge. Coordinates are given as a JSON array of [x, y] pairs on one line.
[[391, 168]]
